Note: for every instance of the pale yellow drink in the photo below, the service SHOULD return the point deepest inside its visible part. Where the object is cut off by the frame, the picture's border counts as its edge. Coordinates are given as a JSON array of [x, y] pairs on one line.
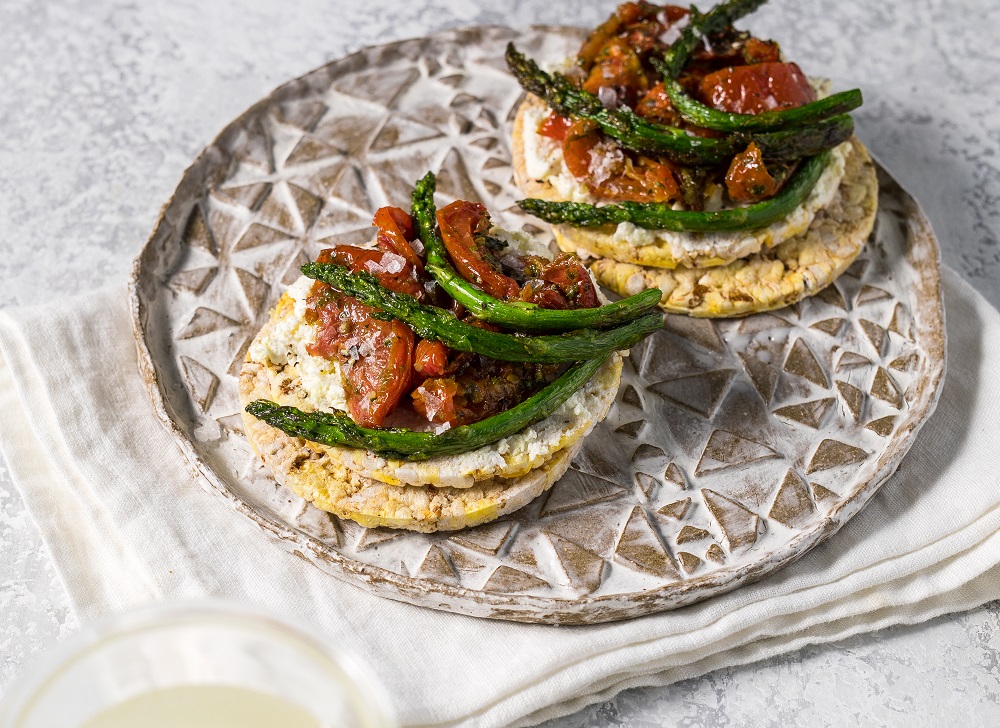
[[204, 706]]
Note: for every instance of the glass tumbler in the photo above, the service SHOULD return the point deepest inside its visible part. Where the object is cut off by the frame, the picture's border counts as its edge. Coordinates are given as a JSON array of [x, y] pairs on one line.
[[195, 665]]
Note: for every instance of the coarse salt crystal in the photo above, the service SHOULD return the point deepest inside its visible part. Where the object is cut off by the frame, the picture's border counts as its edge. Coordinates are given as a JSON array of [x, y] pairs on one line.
[[393, 263]]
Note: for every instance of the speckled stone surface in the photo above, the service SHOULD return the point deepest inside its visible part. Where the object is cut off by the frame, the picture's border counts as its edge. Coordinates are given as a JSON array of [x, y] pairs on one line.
[[106, 103]]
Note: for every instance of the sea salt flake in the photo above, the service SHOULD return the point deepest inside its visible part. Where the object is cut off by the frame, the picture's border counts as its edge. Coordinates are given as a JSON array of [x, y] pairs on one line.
[[605, 160], [393, 263]]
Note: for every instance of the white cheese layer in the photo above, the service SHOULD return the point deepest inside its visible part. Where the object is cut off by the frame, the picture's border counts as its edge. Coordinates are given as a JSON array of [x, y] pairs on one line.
[[286, 345]]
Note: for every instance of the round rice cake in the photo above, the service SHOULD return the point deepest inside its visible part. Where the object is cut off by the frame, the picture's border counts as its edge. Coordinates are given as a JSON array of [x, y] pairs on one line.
[[279, 368], [771, 279], [310, 471], [540, 172]]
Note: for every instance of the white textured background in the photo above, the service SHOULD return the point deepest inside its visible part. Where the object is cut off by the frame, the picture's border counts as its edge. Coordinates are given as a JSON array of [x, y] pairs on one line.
[[104, 103]]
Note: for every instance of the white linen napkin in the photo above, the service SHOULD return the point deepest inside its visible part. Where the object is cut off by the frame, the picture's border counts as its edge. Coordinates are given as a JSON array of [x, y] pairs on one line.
[[127, 523]]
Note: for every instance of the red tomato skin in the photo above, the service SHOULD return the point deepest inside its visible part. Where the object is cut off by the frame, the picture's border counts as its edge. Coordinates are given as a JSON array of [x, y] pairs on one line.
[[645, 181], [460, 223], [375, 356], [378, 263], [555, 127], [579, 142], [435, 400], [617, 64], [748, 179], [431, 358], [568, 273], [656, 107], [395, 232], [756, 88], [756, 50]]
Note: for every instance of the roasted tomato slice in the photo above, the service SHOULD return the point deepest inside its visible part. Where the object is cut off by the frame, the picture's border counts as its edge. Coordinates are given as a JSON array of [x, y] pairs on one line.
[[391, 269], [555, 127], [544, 295], [463, 228], [568, 273], [756, 50], [375, 356], [431, 358], [580, 140], [644, 180], [656, 107], [757, 88], [559, 283], [435, 400], [617, 65], [396, 233], [748, 179]]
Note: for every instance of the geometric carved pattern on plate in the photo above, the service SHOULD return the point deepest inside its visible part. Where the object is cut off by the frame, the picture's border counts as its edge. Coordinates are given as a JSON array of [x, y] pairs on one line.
[[639, 547], [802, 362], [700, 393], [809, 414], [728, 450], [577, 489], [762, 375], [583, 567], [885, 389], [853, 397], [901, 322], [792, 506], [738, 523], [851, 360], [488, 538], [833, 453], [689, 562], [882, 426], [875, 334], [507, 580], [435, 566], [676, 510]]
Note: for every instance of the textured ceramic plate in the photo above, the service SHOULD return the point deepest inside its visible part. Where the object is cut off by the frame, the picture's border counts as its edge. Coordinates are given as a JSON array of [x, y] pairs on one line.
[[733, 447]]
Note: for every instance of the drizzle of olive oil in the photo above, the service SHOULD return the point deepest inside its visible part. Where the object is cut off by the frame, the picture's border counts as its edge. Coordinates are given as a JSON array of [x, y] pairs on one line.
[[204, 706]]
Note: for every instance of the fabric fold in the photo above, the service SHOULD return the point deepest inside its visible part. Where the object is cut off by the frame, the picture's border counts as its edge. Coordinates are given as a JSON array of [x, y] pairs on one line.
[[127, 522]]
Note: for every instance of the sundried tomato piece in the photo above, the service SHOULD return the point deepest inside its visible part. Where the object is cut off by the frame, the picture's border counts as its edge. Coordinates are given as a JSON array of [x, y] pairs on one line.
[[545, 295], [560, 283], [656, 107], [578, 147], [756, 50], [568, 273], [617, 65], [645, 180]]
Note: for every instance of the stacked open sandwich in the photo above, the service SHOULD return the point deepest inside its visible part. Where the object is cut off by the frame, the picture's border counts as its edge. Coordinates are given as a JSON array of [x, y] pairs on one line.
[[680, 153], [439, 378]]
